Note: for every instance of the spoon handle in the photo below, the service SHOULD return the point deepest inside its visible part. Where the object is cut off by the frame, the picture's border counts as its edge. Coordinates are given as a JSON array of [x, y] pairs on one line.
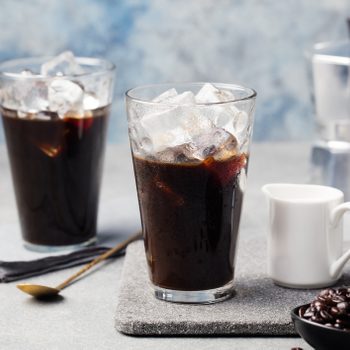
[[100, 258]]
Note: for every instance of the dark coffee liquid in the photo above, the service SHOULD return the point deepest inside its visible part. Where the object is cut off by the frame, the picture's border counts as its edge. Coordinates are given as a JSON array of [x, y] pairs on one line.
[[190, 214], [56, 167]]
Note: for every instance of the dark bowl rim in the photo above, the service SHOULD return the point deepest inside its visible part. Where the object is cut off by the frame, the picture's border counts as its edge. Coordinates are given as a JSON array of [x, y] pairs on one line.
[[295, 315]]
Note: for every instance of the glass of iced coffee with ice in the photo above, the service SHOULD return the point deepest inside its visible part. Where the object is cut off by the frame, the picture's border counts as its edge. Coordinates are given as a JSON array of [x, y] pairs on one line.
[[55, 115], [190, 149]]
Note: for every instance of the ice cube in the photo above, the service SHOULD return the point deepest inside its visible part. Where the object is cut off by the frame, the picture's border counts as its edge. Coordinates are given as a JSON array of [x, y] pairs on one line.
[[242, 126], [65, 95], [161, 121], [173, 126], [184, 121], [177, 154], [163, 128], [46, 115], [63, 64], [186, 98], [236, 123], [211, 94], [146, 145], [39, 115], [165, 95], [167, 156], [173, 98], [10, 97], [226, 116], [34, 97], [24, 96], [218, 143], [102, 89], [241, 121], [90, 101]]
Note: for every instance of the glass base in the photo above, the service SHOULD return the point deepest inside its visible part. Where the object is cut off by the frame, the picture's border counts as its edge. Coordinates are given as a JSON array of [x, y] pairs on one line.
[[57, 248], [208, 296]]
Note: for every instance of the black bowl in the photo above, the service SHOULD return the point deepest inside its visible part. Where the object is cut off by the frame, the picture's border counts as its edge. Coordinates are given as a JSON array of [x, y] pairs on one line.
[[319, 336]]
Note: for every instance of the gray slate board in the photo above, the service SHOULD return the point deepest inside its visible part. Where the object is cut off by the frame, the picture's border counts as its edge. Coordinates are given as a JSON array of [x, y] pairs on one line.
[[258, 308]]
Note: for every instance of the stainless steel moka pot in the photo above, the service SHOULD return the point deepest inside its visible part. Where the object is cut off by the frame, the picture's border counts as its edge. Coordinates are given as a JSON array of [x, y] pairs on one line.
[[331, 94]]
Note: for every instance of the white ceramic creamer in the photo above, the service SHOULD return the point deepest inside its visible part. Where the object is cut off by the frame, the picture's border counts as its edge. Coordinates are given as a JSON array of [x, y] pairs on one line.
[[305, 235]]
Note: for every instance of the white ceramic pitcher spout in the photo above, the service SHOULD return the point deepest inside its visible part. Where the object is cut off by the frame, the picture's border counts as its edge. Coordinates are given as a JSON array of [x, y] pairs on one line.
[[306, 234]]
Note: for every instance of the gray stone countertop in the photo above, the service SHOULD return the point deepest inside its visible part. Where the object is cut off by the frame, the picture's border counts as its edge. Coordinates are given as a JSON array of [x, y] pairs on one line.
[[84, 318]]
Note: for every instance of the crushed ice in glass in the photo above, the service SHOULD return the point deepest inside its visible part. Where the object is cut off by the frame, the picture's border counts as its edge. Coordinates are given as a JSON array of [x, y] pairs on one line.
[[65, 95], [210, 94], [216, 143], [90, 101], [63, 64], [61, 94], [186, 127], [165, 95]]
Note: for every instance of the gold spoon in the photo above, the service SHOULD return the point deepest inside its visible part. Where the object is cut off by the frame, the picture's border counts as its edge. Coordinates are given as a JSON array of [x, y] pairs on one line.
[[40, 291]]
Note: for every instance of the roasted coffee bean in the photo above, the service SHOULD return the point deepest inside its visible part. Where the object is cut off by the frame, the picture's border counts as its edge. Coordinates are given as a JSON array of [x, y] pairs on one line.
[[343, 306], [310, 311], [308, 314], [318, 305], [341, 291], [334, 311], [326, 316], [338, 299], [302, 310], [329, 302], [331, 308], [317, 319], [296, 348], [326, 296], [326, 292]]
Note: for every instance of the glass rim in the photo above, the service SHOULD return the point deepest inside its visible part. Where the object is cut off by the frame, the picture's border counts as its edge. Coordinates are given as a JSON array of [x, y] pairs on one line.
[[104, 65], [321, 45], [251, 93], [321, 52]]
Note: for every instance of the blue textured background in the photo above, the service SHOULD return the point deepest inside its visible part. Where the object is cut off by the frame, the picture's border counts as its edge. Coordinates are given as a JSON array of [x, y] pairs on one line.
[[259, 43]]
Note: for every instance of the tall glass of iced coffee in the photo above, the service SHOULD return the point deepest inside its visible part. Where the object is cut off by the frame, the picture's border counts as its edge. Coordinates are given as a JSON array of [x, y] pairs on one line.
[[190, 149], [55, 115]]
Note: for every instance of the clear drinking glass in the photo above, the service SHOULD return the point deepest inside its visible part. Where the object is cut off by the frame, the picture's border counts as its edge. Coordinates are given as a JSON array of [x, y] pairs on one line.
[[55, 116], [331, 87], [190, 149], [330, 156]]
